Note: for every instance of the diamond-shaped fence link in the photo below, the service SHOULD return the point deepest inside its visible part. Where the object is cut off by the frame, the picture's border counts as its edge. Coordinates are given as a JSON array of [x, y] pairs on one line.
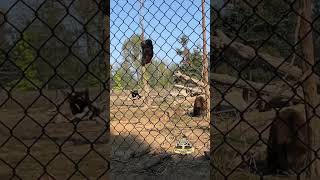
[[152, 105], [49, 50], [264, 80]]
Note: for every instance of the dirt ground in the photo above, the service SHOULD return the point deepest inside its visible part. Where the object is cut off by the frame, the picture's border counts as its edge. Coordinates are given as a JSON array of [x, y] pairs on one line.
[[236, 139], [156, 130], [139, 138], [35, 145]]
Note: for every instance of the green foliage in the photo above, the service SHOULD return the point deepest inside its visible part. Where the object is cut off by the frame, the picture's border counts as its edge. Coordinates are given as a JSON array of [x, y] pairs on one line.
[[24, 56], [184, 39], [193, 64], [132, 51], [159, 74], [256, 31], [118, 81], [124, 77], [56, 55]]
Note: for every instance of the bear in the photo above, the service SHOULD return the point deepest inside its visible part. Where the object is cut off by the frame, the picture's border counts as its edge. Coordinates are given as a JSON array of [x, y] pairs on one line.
[[199, 107], [288, 142]]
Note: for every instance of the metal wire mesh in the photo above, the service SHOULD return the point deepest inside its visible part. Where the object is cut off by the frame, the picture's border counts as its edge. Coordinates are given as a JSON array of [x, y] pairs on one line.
[[49, 47], [145, 130], [262, 64]]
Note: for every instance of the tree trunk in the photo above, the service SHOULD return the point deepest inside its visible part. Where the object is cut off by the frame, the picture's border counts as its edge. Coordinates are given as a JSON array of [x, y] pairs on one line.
[[309, 84], [205, 70], [143, 68]]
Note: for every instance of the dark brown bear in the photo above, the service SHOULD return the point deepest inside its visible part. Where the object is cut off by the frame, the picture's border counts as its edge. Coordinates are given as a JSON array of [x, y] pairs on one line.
[[199, 107], [288, 142], [147, 52]]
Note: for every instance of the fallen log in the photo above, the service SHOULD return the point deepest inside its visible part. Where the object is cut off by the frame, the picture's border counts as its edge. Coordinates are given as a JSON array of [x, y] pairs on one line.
[[188, 78], [193, 90], [269, 115], [248, 53], [240, 83]]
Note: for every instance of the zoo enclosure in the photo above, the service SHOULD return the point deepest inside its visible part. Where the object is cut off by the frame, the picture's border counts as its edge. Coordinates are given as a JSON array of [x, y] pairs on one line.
[[268, 49], [168, 85], [47, 46]]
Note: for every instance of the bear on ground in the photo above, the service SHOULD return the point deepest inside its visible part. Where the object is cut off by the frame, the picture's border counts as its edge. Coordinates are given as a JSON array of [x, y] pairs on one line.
[[199, 107], [288, 142]]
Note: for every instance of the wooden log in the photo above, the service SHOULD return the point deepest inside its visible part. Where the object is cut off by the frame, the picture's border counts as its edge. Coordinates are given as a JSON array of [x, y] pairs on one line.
[[247, 53], [269, 115], [194, 90], [268, 89], [188, 78]]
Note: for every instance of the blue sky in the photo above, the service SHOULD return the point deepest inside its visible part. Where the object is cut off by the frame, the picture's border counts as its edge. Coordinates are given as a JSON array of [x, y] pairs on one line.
[[164, 21]]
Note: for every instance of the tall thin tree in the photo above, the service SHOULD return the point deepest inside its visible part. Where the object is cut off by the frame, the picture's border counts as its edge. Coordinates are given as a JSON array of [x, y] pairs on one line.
[[205, 69], [143, 68], [309, 84]]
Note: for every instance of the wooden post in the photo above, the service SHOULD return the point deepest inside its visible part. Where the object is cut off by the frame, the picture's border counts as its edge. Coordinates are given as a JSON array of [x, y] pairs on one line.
[[309, 84]]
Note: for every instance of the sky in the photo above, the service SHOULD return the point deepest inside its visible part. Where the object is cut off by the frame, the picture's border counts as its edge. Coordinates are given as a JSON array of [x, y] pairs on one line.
[[164, 22]]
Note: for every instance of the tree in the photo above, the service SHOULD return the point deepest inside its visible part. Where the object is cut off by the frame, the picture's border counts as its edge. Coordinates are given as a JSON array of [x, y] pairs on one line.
[[254, 31], [3, 31], [117, 80], [86, 10], [7, 70], [309, 85], [24, 56], [125, 76], [185, 52], [205, 71], [53, 51], [131, 50], [145, 84], [193, 63], [159, 74]]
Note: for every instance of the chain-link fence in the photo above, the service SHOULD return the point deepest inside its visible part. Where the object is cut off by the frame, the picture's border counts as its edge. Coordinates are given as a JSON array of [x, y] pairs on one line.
[[152, 104], [50, 48], [264, 79], [265, 60]]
